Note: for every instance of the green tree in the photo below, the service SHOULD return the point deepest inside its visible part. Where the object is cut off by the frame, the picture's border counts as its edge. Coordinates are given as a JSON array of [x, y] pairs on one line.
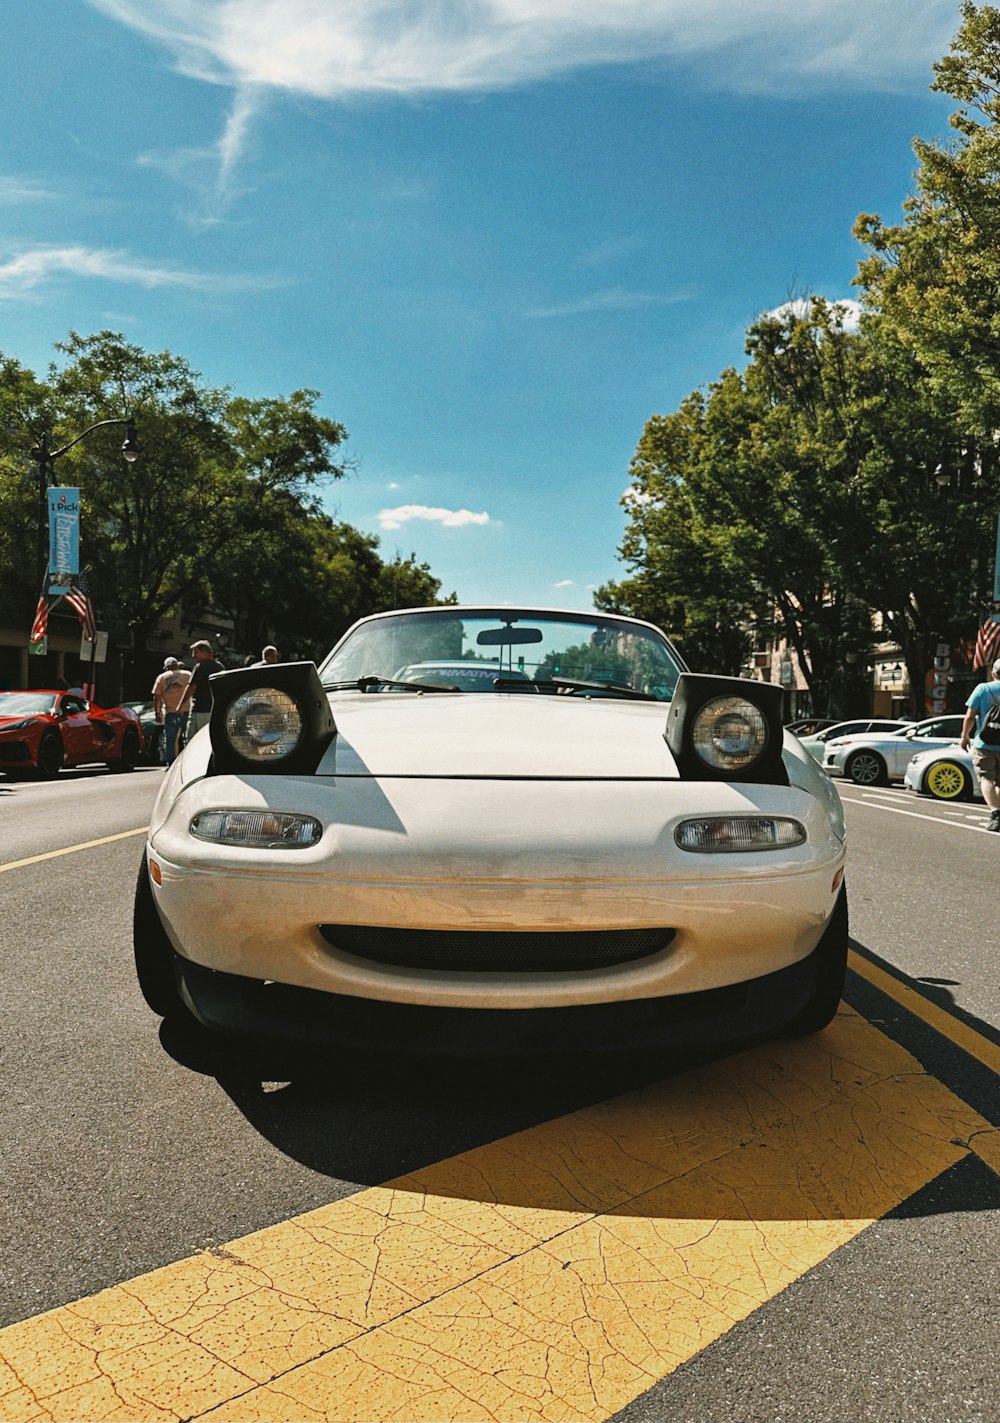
[[935, 275], [801, 491], [157, 532]]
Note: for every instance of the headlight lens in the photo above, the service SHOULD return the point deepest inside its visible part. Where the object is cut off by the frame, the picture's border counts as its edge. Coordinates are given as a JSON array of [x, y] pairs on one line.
[[729, 733], [264, 724], [257, 829], [736, 834]]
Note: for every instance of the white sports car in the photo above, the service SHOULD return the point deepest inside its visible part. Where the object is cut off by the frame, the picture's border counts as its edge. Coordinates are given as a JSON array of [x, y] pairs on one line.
[[946, 773], [398, 850]]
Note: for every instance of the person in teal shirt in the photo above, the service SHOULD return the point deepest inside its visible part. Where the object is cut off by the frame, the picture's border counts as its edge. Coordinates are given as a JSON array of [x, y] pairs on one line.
[[986, 759]]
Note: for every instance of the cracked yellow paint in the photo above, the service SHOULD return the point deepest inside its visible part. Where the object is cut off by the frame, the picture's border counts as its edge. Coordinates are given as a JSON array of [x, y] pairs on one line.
[[554, 1274]]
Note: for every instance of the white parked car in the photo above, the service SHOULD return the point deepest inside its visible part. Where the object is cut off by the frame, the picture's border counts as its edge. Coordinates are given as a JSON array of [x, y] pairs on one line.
[[874, 760], [946, 773], [817, 743], [632, 855]]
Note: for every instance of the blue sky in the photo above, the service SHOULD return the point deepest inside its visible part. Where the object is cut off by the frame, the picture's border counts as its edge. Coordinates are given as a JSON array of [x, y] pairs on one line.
[[497, 236]]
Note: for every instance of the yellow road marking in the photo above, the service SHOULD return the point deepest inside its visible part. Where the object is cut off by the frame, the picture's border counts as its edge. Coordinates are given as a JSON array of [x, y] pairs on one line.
[[943, 1022], [553, 1275], [71, 849]]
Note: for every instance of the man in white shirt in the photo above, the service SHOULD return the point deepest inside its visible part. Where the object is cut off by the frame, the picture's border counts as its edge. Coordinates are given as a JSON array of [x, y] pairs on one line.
[[168, 692]]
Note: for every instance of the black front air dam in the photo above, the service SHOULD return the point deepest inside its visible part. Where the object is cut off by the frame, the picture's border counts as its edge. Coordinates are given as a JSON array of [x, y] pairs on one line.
[[276, 1012]]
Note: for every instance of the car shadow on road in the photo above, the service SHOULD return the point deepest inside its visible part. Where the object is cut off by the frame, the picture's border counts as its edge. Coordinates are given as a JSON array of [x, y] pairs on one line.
[[367, 1121], [964, 1060], [839, 1126]]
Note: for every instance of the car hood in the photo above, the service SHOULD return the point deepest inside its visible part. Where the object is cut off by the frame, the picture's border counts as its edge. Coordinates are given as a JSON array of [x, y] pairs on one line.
[[494, 735]]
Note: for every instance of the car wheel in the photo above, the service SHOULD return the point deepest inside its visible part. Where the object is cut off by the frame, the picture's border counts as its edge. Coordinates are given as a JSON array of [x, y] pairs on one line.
[[154, 954], [130, 752], [831, 970], [50, 755], [866, 768], [947, 780]]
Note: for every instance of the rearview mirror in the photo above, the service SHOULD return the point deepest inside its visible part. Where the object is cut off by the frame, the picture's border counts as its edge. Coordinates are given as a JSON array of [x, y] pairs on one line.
[[501, 637]]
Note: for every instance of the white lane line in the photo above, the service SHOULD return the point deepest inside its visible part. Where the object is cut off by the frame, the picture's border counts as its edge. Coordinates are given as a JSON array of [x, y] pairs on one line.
[[917, 815]]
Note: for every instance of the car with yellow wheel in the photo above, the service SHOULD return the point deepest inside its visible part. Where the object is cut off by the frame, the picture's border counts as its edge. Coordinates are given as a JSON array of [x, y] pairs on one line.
[[945, 774]]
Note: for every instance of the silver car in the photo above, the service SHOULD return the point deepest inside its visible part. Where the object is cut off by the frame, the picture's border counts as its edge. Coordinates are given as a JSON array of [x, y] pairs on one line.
[[874, 759], [817, 743]]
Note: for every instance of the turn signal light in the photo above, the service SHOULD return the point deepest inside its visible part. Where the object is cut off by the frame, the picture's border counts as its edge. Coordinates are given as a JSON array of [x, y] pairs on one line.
[[737, 834]]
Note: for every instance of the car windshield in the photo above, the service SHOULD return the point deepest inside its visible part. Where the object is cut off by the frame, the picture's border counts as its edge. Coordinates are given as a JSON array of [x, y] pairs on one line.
[[508, 650], [25, 703]]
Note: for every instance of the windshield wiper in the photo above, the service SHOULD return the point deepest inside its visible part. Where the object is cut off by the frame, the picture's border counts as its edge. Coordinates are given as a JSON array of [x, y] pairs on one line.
[[620, 689], [365, 684]]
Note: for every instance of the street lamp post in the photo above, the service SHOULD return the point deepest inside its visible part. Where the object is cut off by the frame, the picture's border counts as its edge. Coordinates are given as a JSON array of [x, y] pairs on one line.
[[45, 458]]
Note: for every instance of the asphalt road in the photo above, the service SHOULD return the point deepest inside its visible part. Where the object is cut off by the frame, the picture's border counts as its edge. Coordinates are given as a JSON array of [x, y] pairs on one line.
[[121, 1152]]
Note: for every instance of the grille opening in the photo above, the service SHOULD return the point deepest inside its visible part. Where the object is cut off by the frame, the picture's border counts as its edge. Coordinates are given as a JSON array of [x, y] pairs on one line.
[[491, 951]]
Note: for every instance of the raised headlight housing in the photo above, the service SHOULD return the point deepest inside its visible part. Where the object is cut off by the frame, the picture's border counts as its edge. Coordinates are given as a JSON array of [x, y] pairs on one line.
[[272, 720], [726, 729]]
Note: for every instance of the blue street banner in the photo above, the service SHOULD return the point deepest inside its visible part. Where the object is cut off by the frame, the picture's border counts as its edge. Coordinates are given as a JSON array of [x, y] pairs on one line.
[[64, 537]]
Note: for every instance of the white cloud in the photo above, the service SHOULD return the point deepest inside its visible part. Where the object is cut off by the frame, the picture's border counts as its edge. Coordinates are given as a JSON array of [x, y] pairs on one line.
[[448, 518], [404, 47], [21, 275], [848, 310], [22, 190], [636, 496], [416, 46], [611, 299], [564, 583]]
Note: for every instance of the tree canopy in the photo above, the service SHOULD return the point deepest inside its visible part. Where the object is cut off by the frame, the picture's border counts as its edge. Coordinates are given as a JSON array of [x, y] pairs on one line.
[[846, 478], [223, 508]]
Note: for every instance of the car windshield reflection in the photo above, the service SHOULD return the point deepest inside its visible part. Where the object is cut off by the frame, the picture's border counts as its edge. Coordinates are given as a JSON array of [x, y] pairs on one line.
[[26, 703], [492, 650]]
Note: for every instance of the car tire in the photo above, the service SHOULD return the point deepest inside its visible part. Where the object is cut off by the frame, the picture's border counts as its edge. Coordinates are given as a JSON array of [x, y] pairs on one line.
[[947, 780], [831, 971], [866, 768], [154, 953], [130, 752], [50, 756]]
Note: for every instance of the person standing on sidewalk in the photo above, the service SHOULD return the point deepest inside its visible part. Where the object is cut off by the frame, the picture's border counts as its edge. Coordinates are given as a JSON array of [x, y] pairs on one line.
[[168, 693], [197, 699], [986, 759]]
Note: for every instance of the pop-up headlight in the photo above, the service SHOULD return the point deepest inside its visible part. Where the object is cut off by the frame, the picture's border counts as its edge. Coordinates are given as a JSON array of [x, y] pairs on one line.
[[726, 728], [269, 720]]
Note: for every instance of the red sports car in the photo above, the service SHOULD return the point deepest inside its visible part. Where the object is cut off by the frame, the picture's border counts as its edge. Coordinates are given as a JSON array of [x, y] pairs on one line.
[[43, 731]]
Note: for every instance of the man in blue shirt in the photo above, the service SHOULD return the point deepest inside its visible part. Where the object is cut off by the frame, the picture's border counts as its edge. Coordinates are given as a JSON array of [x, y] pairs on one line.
[[986, 759]]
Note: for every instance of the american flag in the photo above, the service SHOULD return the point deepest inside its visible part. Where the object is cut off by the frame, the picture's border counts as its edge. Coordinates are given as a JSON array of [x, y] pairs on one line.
[[78, 598], [41, 624], [987, 642]]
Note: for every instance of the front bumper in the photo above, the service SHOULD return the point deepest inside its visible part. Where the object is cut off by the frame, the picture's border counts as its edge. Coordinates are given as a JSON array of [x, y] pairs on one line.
[[493, 857], [272, 1012]]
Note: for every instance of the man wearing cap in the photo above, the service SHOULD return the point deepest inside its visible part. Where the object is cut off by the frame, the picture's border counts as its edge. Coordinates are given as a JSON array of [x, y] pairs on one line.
[[168, 693], [986, 759]]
